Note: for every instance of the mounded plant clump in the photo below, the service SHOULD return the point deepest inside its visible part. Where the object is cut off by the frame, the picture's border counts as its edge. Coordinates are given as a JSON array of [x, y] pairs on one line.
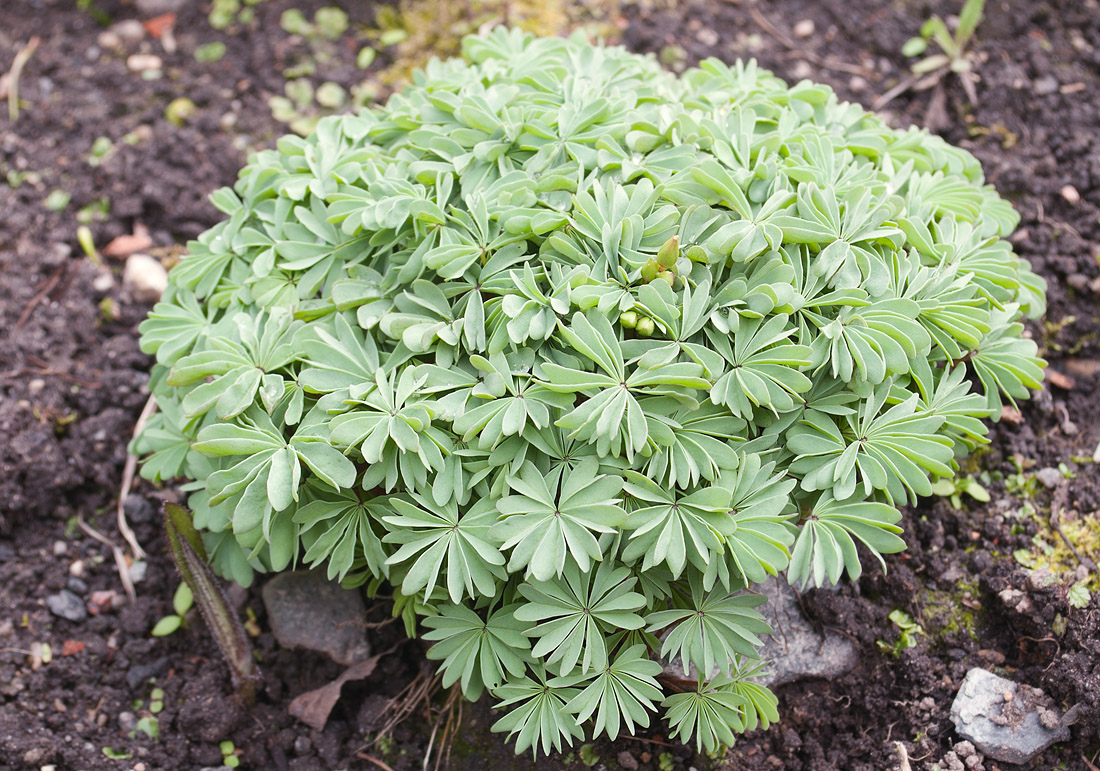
[[572, 353]]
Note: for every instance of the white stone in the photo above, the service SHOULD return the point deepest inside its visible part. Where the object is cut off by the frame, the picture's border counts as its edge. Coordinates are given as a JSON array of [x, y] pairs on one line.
[[804, 28], [144, 278]]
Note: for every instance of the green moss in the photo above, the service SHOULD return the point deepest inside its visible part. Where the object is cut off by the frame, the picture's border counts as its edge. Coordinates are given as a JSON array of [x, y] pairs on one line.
[[1049, 549], [950, 613]]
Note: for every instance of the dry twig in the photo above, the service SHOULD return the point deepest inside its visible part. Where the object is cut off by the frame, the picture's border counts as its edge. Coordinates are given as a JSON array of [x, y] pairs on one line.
[[17, 65]]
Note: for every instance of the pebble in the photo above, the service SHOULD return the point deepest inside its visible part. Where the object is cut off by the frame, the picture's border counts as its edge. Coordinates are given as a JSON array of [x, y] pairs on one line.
[[302, 745], [1049, 477], [127, 721], [128, 30], [7, 627], [77, 569], [59, 548], [627, 761], [104, 600], [36, 386], [1004, 720], [1046, 85], [1069, 192], [138, 674], [143, 62], [104, 282], [307, 611], [144, 278], [857, 84], [76, 585], [804, 28], [137, 508], [67, 605], [138, 570]]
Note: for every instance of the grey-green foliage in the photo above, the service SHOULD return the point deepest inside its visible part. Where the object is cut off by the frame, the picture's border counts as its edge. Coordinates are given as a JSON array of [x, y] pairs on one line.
[[572, 352]]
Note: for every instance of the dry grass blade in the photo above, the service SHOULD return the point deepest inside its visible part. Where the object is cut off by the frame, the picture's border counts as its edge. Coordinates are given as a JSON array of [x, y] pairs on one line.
[[120, 558], [128, 480], [17, 65]]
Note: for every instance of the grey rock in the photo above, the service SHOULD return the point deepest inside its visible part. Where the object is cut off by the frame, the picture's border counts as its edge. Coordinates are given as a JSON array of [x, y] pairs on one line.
[[1004, 720], [138, 675], [306, 610], [1049, 477], [76, 586], [795, 650], [67, 605]]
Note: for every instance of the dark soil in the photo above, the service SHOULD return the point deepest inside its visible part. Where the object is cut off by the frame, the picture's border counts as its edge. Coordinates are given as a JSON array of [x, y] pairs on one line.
[[72, 383]]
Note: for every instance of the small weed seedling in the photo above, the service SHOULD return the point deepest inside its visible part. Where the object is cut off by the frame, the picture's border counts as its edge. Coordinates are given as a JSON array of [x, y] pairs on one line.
[[954, 56], [182, 601]]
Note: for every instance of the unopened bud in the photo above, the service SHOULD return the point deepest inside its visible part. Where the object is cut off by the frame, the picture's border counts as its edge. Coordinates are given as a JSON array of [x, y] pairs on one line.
[[645, 327], [629, 319], [669, 253]]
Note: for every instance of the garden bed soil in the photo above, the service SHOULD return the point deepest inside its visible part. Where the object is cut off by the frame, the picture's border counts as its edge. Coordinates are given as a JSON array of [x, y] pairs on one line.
[[72, 383]]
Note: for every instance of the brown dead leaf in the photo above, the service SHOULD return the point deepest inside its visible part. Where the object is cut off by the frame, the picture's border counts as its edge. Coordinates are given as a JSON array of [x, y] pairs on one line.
[[313, 707], [1058, 380], [122, 247], [158, 24]]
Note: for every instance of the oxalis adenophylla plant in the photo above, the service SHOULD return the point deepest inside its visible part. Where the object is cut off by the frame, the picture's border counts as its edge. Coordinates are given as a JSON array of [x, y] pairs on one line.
[[572, 353]]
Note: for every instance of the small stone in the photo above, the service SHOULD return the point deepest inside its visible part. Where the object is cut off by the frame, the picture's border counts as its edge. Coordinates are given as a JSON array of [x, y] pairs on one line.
[[801, 70], [107, 40], [7, 627], [302, 745], [59, 548], [138, 571], [1041, 578], [137, 508], [804, 28], [34, 756], [76, 586], [627, 761], [1078, 281], [306, 610], [104, 282], [707, 37], [1069, 192], [143, 62], [857, 84], [127, 721], [1011, 731], [103, 600], [128, 30], [144, 278], [1046, 85], [140, 673], [67, 605], [1049, 477], [76, 570]]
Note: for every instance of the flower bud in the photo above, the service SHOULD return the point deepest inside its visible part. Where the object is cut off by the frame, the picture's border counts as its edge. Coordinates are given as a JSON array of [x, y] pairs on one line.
[[629, 319], [669, 252], [645, 327]]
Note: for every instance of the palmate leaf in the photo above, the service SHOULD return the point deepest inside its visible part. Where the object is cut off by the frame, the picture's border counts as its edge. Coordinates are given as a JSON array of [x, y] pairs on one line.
[[711, 631], [339, 529], [826, 546], [611, 416], [763, 368], [573, 615], [692, 445], [893, 450], [624, 691], [543, 526], [477, 653], [1005, 363], [535, 713], [437, 539], [718, 709], [757, 530], [675, 528]]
